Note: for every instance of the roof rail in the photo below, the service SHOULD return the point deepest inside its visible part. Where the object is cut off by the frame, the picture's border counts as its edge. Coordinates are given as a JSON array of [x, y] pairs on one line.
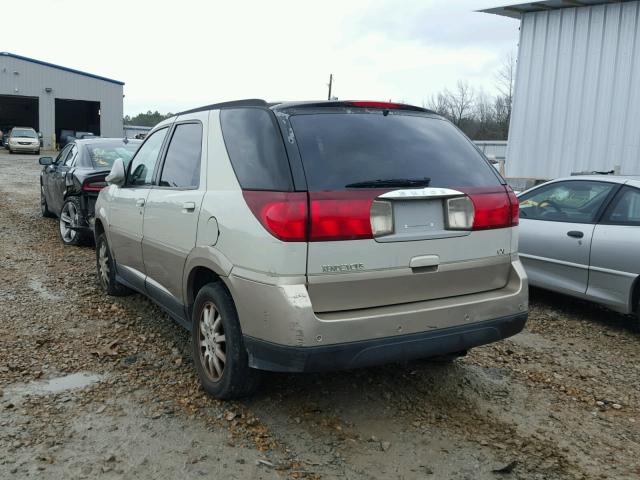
[[250, 102]]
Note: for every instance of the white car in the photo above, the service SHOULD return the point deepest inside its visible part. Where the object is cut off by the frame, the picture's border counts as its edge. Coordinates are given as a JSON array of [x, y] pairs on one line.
[[24, 139]]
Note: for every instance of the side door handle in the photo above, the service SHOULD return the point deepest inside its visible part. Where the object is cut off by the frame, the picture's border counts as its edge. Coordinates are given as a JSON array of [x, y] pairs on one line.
[[575, 234], [189, 206], [140, 202]]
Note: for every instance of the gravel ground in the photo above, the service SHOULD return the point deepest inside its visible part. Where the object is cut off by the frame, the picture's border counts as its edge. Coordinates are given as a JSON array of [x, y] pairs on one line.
[[98, 387]]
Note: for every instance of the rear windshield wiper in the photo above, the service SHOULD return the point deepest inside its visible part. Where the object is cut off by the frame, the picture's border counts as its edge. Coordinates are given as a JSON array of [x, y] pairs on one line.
[[391, 182]]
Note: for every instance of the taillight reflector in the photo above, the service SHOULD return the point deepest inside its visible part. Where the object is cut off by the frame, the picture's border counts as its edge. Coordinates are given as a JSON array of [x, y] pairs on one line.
[[94, 184]]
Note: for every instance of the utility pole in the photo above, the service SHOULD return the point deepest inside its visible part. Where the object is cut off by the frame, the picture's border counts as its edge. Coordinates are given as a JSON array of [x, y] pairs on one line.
[[330, 85]]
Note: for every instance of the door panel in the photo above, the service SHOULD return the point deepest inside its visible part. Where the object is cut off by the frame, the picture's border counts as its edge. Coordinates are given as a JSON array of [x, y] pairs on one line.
[[49, 179], [172, 210], [125, 228], [556, 228], [127, 209], [615, 252], [63, 171], [170, 230], [552, 258]]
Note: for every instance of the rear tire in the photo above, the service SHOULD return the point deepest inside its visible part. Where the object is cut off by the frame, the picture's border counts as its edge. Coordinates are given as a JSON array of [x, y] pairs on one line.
[[106, 268], [70, 217], [219, 354]]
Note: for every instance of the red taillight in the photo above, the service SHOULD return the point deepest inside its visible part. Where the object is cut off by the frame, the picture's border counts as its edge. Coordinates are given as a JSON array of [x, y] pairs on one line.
[[493, 208], [283, 214], [320, 217], [341, 215], [369, 104], [94, 184]]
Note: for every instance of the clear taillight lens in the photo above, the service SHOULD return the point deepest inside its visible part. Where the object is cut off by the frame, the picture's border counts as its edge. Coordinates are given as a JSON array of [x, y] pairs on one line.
[[460, 213], [381, 218]]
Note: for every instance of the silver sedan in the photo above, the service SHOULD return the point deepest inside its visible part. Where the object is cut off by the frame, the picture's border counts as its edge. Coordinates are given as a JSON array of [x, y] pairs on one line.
[[581, 236]]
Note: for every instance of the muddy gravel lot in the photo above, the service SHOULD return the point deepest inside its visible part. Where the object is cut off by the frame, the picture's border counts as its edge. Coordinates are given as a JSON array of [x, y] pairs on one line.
[[99, 387]]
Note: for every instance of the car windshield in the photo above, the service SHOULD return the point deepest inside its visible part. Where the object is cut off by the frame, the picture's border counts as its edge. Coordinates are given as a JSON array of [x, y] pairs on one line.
[[23, 133], [368, 150], [103, 156]]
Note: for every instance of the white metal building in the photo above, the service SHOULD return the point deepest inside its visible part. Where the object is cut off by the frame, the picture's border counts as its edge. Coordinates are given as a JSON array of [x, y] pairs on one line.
[[51, 98], [496, 149], [130, 131], [576, 103]]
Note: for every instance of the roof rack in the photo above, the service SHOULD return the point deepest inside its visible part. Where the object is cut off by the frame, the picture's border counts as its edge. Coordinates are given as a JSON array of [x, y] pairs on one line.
[[250, 102]]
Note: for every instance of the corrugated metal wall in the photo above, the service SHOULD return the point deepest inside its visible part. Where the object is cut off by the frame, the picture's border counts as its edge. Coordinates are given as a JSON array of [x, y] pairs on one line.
[[31, 80], [577, 95]]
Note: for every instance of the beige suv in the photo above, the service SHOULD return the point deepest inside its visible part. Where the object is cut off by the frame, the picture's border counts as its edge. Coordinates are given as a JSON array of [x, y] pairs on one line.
[[314, 236]]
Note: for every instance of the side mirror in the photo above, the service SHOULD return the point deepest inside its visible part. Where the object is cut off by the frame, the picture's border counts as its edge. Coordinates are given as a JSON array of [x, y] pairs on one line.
[[117, 175], [44, 161]]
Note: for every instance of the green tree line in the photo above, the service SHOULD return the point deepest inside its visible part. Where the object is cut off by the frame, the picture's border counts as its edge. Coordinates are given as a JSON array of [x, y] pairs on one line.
[[148, 119]]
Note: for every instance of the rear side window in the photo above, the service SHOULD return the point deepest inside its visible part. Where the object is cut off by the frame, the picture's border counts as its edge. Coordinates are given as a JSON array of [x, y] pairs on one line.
[[625, 209], [256, 149], [182, 163], [339, 149]]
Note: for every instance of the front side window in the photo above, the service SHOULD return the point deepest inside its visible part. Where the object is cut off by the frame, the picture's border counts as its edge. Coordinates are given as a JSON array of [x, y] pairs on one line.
[[182, 163], [73, 151], [625, 209], [63, 154], [574, 201], [144, 163]]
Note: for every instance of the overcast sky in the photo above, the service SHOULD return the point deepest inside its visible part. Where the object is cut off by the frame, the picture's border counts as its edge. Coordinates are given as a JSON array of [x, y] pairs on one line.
[[177, 55]]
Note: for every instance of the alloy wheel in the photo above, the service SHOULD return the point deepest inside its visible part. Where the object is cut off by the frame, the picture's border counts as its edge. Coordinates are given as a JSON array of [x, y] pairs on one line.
[[212, 341], [68, 222], [103, 265]]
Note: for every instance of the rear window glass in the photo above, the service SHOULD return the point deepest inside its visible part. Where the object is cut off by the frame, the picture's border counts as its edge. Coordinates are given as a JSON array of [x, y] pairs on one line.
[[340, 149], [103, 156], [256, 149]]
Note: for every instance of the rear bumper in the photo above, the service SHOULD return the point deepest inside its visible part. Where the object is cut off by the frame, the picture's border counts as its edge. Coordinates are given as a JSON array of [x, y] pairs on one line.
[[281, 358], [279, 320]]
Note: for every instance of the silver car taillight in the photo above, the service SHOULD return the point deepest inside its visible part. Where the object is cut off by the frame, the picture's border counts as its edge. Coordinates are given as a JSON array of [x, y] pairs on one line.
[[459, 213], [381, 218]]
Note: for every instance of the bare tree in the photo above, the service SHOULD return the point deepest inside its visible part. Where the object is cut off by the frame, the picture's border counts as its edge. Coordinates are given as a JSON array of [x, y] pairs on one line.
[[460, 102], [505, 81], [439, 103]]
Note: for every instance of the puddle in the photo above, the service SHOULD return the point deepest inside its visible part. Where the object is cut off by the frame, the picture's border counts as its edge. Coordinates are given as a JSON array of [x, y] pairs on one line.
[[75, 381], [42, 291]]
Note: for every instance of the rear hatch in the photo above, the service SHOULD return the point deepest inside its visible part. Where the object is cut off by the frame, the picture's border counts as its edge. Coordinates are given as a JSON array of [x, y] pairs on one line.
[[402, 207]]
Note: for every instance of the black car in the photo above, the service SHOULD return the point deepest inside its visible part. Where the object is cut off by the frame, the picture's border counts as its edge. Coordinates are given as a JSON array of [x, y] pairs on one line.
[[70, 184]]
